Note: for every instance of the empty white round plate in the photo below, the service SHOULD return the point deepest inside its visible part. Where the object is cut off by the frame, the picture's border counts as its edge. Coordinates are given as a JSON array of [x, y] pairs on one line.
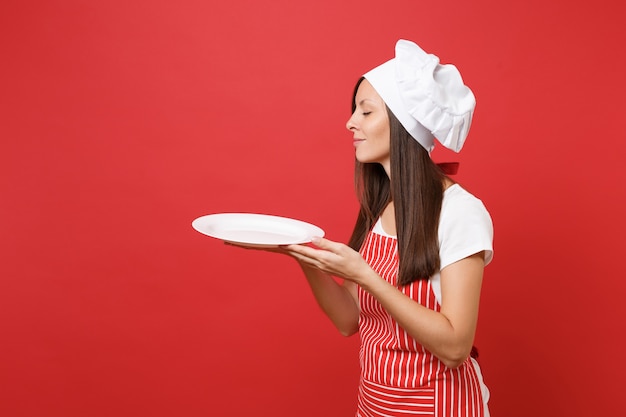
[[256, 229]]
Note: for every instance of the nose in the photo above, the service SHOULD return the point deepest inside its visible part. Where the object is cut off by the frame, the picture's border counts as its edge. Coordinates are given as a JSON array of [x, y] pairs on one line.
[[350, 125]]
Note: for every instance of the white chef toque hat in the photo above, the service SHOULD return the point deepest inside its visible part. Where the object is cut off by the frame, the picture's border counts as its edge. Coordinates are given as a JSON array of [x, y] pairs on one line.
[[429, 99]]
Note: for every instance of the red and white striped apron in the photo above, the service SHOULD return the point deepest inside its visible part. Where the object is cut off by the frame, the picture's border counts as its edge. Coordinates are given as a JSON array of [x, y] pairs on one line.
[[399, 377]]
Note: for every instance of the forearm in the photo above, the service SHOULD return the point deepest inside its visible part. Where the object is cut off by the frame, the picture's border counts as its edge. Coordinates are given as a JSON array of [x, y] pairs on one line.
[[432, 329], [335, 300], [447, 333]]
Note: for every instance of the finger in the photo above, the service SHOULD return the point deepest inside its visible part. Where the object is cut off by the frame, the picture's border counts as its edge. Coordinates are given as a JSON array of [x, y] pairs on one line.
[[250, 246], [237, 245], [304, 259], [326, 244], [306, 251]]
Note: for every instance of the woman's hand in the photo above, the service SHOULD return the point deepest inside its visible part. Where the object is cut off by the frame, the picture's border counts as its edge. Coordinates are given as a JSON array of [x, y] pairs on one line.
[[339, 301], [264, 248], [333, 258]]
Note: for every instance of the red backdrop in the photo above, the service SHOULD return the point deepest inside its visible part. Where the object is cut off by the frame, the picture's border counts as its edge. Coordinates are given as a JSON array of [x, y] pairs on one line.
[[122, 121]]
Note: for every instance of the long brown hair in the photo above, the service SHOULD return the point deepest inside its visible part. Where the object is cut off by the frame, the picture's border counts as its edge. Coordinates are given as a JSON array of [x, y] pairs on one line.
[[416, 189]]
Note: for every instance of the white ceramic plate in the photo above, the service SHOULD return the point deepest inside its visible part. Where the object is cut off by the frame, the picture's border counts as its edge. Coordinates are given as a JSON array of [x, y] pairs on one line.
[[256, 229]]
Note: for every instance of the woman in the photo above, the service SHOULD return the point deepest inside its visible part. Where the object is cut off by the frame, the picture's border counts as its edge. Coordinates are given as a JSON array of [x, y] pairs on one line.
[[413, 269]]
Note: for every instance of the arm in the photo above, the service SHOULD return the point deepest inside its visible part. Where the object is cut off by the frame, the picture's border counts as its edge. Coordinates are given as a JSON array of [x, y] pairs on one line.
[[339, 301], [448, 334]]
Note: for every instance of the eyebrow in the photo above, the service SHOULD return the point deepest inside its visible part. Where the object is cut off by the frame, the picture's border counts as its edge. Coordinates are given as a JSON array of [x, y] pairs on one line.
[[364, 100]]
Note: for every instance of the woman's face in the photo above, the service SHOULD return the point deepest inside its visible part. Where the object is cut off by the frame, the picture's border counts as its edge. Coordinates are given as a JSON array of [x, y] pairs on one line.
[[370, 127]]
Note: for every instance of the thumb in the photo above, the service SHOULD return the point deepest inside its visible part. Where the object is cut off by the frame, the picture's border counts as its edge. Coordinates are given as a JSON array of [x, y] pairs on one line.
[[323, 243]]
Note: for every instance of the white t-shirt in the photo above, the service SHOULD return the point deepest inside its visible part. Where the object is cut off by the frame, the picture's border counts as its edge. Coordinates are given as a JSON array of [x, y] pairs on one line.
[[465, 228]]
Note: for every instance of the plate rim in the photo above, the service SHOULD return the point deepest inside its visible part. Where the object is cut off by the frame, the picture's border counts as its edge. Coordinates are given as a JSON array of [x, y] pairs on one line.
[[307, 227]]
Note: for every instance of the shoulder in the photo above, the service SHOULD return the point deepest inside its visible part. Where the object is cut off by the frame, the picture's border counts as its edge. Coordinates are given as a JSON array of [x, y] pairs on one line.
[[465, 226], [458, 202]]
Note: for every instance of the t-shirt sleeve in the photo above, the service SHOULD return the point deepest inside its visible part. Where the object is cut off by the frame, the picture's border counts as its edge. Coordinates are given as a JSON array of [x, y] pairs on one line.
[[465, 228]]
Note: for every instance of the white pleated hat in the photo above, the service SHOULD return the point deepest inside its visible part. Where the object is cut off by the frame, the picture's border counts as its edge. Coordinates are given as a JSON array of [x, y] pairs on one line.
[[429, 99]]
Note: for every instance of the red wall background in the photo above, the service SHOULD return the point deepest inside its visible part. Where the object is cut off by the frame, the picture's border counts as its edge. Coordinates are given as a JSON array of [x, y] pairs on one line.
[[122, 121]]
